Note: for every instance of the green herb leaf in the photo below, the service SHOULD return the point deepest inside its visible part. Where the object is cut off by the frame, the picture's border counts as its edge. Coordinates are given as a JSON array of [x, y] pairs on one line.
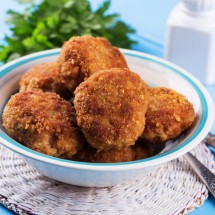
[[46, 24]]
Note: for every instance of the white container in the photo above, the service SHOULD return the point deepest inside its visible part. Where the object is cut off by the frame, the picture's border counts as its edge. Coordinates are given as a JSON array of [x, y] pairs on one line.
[[190, 40]]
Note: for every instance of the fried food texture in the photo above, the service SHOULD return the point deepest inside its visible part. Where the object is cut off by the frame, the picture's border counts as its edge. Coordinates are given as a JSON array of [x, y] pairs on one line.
[[45, 77], [43, 122], [110, 108], [82, 56], [130, 153], [168, 115]]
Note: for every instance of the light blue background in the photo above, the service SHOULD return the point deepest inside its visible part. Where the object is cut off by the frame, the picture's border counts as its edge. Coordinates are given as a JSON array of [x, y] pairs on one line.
[[149, 18]]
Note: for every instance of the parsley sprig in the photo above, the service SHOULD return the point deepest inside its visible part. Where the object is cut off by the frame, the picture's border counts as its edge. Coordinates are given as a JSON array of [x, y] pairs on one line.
[[48, 24]]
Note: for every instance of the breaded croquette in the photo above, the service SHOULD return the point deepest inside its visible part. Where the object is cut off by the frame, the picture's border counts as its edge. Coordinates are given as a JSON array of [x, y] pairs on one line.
[[45, 77], [168, 114], [43, 122], [130, 153], [82, 56], [110, 107]]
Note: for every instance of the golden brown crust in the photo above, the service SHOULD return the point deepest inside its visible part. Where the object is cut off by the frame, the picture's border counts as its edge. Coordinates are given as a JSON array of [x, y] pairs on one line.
[[45, 77], [130, 153], [82, 56], [43, 122], [168, 114], [110, 107]]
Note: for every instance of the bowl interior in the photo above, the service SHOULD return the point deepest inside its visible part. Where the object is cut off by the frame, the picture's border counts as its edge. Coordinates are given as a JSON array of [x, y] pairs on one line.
[[155, 71]]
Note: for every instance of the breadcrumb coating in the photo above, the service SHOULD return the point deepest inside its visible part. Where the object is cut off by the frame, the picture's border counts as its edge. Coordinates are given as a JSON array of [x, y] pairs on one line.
[[82, 56], [168, 115], [45, 77], [130, 153], [43, 122], [114, 117], [110, 107]]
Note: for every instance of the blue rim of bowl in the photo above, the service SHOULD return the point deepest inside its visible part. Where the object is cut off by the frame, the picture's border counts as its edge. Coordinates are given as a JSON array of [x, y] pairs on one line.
[[134, 54]]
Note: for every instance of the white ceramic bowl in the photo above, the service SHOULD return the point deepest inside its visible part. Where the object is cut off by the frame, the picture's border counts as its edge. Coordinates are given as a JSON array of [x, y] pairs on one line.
[[153, 70]]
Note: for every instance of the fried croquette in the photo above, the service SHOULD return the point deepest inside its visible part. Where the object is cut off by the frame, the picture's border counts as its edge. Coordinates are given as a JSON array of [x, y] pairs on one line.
[[168, 114], [43, 122], [130, 153], [82, 56], [110, 107], [45, 77]]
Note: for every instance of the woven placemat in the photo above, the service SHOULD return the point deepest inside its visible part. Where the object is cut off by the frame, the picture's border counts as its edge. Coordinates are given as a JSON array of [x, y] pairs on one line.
[[173, 189]]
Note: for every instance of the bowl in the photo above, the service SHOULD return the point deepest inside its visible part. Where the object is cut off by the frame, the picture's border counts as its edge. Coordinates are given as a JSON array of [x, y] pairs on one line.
[[153, 70]]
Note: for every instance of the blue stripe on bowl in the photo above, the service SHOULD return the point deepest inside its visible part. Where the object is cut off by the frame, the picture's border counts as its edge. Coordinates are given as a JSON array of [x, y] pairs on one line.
[[191, 82], [13, 66]]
